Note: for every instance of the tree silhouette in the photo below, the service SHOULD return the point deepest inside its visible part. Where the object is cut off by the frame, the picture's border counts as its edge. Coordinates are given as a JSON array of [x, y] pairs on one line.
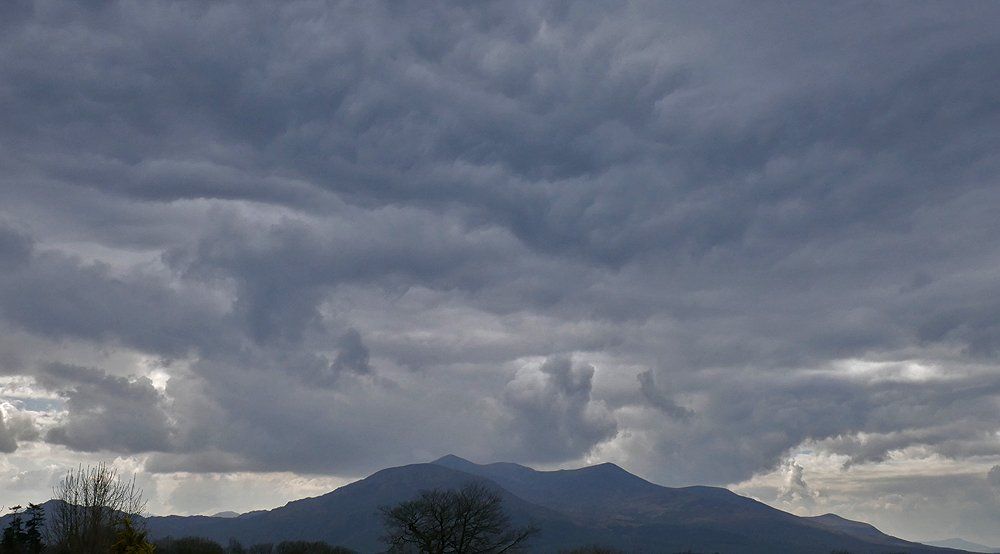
[[470, 520], [193, 545], [34, 529], [14, 535], [131, 541], [307, 547], [24, 536], [95, 504]]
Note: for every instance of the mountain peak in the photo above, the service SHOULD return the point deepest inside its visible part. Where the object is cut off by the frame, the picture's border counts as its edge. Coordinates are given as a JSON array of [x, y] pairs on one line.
[[844, 525], [453, 461], [608, 470], [834, 519], [609, 466]]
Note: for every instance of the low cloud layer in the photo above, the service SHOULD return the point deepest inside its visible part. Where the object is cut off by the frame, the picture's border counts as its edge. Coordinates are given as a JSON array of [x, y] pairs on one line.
[[698, 241]]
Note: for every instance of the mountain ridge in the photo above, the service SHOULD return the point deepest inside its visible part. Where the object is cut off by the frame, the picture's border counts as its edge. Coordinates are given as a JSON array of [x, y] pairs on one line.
[[600, 504], [963, 544]]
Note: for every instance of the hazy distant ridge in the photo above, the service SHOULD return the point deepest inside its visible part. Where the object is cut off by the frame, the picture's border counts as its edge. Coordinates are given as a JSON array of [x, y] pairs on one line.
[[963, 544]]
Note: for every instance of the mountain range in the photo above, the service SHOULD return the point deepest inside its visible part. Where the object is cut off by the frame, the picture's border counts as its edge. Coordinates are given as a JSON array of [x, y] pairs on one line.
[[963, 544], [601, 504], [595, 505]]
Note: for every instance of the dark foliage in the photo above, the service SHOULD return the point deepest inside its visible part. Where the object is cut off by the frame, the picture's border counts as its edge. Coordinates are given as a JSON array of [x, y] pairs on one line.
[[131, 540], [303, 547], [24, 531], [198, 545], [470, 520], [188, 545]]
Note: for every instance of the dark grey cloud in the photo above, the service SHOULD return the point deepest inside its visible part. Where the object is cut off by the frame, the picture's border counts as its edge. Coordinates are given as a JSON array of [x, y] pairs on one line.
[[993, 477], [748, 228], [105, 412], [15, 427], [659, 399], [747, 423], [352, 355], [60, 296], [282, 270], [15, 248], [232, 416]]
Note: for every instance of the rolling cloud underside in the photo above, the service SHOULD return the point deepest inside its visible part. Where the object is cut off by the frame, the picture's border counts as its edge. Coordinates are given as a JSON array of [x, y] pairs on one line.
[[357, 235]]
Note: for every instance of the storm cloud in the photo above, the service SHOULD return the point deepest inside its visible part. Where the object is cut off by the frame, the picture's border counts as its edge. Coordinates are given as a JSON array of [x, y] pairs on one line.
[[695, 240]]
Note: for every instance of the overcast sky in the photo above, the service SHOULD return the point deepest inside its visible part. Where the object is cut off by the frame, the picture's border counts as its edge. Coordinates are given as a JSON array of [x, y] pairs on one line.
[[252, 251]]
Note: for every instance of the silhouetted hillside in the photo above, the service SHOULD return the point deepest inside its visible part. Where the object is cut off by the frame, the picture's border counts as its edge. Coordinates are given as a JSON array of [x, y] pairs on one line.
[[348, 515], [636, 514], [597, 505]]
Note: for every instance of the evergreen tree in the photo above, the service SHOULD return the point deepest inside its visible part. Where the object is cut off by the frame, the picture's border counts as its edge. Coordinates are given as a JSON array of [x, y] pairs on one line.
[[13, 535], [130, 540], [34, 530]]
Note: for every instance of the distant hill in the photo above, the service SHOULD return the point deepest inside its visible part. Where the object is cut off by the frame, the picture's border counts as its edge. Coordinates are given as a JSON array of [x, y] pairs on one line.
[[963, 544], [348, 516], [636, 515], [854, 528], [602, 504]]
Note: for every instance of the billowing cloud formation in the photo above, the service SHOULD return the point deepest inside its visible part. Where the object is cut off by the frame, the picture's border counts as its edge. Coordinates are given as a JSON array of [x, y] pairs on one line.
[[659, 399], [552, 417], [325, 239], [15, 426], [107, 412], [795, 490]]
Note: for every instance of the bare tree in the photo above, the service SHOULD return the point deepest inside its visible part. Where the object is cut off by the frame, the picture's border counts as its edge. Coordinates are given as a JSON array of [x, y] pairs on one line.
[[470, 520], [95, 503]]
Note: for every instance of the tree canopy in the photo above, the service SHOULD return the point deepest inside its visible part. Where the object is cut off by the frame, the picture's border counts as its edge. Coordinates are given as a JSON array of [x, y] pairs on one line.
[[469, 520]]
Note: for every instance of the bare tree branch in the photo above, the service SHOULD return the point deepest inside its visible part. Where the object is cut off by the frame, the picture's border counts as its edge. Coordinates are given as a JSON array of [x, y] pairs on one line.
[[95, 502], [470, 520]]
